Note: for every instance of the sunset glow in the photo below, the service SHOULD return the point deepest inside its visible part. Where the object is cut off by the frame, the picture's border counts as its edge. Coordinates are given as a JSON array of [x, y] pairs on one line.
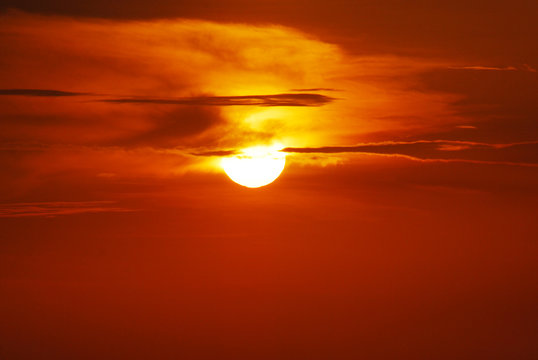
[[268, 180]]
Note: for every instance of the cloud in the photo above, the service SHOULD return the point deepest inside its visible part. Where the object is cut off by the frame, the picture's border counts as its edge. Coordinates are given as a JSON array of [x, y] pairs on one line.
[[314, 89], [216, 153], [57, 208], [201, 87], [176, 124], [525, 153], [245, 100], [38, 92], [164, 65], [183, 117], [284, 99], [524, 67], [502, 104]]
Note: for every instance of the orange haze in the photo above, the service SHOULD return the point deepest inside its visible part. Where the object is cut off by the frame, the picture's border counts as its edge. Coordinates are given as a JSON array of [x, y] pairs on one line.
[[403, 226]]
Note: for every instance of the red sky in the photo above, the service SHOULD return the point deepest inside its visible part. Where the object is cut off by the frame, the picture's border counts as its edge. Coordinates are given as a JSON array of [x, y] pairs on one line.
[[403, 226]]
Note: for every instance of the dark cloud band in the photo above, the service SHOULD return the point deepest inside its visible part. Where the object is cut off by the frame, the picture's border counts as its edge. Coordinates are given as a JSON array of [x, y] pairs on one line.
[[39, 92], [286, 99], [524, 153], [247, 100]]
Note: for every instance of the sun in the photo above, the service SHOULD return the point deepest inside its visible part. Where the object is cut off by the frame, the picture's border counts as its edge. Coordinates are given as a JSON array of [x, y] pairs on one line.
[[255, 166]]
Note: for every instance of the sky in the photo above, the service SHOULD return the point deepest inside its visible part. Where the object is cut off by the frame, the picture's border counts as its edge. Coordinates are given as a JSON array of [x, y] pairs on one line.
[[403, 225]]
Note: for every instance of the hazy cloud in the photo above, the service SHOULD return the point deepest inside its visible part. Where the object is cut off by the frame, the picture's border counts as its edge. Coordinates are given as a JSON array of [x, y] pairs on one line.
[[176, 124], [516, 153], [285, 99], [248, 100], [314, 89], [56, 208], [215, 153], [524, 67], [38, 92]]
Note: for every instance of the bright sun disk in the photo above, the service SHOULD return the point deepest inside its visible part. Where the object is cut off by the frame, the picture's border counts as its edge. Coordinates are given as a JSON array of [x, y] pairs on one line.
[[255, 166]]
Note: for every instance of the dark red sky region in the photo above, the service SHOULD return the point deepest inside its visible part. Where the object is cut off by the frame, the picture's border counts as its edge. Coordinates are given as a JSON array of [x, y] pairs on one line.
[[403, 226]]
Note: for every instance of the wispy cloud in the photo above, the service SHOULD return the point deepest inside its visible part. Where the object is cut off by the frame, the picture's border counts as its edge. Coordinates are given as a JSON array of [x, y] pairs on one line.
[[252, 100], [39, 93], [56, 208], [524, 67], [285, 99], [216, 153], [314, 89], [522, 153]]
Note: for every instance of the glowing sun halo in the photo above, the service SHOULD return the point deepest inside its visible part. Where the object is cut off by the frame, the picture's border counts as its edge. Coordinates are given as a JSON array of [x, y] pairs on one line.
[[255, 166]]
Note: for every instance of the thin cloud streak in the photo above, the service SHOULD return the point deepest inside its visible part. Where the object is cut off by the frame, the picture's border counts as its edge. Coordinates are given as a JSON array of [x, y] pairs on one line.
[[285, 99], [246, 100], [314, 89], [440, 150], [40, 93], [357, 148], [216, 153], [56, 208], [525, 67], [467, 161]]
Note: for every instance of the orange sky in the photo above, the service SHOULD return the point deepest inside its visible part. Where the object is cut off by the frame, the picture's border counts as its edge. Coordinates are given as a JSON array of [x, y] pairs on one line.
[[403, 225]]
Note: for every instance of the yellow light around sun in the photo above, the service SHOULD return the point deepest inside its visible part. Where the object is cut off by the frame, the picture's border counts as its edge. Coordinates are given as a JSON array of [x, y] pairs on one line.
[[255, 166]]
